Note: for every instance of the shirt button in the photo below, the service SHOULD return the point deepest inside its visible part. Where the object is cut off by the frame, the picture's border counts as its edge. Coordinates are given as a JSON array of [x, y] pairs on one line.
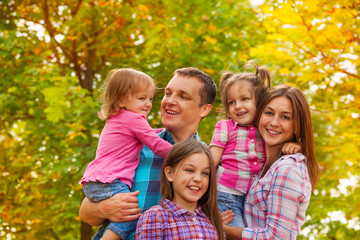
[[194, 219], [252, 140], [200, 235], [255, 163], [252, 128]]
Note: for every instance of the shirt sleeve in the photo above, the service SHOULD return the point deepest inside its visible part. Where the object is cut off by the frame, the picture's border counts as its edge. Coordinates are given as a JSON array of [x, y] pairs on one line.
[[150, 225], [220, 136], [147, 136], [286, 195]]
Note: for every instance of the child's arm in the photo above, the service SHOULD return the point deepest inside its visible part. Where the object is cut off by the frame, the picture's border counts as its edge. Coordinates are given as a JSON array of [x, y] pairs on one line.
[[216, 153], [147, 136], [219, 141], [291, 148]]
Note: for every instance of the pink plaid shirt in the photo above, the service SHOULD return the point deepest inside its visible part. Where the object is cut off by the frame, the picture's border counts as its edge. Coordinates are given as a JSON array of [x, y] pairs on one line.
[[170, 221], [243, 156], [276, 204]]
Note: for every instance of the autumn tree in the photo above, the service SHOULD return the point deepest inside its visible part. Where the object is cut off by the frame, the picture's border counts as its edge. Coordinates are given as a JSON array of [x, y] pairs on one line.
[[315, 46], [54, 56]]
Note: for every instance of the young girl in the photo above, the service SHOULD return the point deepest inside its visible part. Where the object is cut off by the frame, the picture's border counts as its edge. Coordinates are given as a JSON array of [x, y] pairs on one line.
[[188, 208], [128, 100], [236, 141]]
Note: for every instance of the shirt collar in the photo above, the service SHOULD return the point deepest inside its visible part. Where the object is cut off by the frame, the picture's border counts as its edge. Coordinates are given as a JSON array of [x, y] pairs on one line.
[[164, 134], [241, 125], [178, 211]]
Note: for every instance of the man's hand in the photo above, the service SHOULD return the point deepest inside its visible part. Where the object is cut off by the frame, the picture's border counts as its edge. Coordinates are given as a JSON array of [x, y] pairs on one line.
[[121, 207]]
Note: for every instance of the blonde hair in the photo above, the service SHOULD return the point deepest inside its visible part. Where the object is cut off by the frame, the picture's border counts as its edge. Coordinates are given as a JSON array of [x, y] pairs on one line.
[[260, 82], [178, 153], [303, 132], [118, 84]]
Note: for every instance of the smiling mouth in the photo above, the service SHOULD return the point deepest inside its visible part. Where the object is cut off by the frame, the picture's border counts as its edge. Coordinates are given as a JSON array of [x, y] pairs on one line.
[[240, 114], [194, 188], [171, 112], [272, 132]]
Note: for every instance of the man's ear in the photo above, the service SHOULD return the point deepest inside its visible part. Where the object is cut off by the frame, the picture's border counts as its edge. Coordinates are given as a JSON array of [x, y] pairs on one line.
[[169, 174], [205, 109]]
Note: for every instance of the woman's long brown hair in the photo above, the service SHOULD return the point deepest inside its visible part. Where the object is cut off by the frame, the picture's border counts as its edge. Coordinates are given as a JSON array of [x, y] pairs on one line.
[[208, 201], [304, 133]]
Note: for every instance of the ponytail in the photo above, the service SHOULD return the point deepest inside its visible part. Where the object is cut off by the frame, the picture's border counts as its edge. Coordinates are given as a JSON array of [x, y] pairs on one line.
[[260, 81]]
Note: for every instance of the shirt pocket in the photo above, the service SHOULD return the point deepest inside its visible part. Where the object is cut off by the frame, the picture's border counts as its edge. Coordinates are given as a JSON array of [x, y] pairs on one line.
[[260, 195]]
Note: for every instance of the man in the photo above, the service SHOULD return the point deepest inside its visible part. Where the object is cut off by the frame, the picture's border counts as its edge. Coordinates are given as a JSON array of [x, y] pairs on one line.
[[188, 98]]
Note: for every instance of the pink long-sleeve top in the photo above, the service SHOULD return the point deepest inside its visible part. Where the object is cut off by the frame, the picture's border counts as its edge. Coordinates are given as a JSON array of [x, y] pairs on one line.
[[120, 143]]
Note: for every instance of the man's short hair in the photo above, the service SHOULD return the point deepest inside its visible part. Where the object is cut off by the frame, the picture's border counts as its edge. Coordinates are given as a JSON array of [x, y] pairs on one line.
[[208, 91]]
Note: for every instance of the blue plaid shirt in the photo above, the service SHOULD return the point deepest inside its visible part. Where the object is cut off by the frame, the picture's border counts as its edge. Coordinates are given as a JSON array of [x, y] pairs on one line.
[[147, 175]]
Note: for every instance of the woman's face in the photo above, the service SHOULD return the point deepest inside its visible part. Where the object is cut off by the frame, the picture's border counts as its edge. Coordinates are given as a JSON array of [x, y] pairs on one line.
[[276, 124]]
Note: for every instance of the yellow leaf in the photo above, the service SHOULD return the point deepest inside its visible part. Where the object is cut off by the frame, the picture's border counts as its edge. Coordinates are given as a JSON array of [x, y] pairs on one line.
[[209, 70], [143, 8], [211, 27], [71, 38], [210, 39], [312, 6], [36, 220]]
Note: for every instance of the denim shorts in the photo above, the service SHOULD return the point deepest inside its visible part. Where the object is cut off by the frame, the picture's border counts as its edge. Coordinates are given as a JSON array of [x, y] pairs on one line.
[[228, 201], [96, 192]]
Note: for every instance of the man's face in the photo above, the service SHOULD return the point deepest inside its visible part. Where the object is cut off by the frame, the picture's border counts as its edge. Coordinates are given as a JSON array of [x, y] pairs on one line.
[[180, 110]]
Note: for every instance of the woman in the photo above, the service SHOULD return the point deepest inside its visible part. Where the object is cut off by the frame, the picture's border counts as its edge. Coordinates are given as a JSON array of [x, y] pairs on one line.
[[278, 198]]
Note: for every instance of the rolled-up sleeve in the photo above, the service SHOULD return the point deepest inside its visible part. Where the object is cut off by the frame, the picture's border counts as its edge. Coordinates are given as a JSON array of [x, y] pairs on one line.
[[220, 136]]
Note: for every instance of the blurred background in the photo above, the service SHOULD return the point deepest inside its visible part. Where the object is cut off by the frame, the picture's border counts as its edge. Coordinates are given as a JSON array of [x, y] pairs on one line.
[[54, 56]]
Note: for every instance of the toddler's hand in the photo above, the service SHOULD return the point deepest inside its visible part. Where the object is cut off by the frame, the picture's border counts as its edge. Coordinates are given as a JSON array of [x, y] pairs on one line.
[[291, 148]]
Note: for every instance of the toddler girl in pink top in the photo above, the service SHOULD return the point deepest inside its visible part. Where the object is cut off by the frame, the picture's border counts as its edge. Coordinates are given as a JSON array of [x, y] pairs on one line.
[[236, 144], [128, 100]]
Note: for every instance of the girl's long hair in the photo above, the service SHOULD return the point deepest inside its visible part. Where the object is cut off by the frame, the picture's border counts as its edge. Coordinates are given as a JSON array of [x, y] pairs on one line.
[[119, 83], [208, 201], [304, 133], [260, 81]]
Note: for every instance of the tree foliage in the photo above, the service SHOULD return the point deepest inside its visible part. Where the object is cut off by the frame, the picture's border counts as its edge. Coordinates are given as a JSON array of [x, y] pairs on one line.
[[54, 56], [315, 46]]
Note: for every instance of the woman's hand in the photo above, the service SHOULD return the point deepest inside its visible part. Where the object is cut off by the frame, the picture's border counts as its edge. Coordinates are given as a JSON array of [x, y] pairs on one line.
[[231, 232], [227, 216]]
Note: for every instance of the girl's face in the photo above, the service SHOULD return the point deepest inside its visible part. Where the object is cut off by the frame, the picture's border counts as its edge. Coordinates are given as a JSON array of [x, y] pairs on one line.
[[276, 124], [140, 102], [190, 180], [242, 108]]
